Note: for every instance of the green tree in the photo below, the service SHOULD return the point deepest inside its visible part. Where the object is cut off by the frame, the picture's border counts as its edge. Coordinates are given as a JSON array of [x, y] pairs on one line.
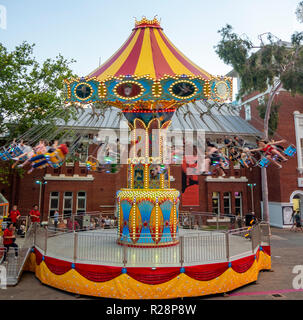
[[267, 67], [31, 96], [30, 92]]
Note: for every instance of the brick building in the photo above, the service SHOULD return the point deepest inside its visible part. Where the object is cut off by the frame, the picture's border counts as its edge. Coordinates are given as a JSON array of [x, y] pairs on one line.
[[285, 186], [71, 188]]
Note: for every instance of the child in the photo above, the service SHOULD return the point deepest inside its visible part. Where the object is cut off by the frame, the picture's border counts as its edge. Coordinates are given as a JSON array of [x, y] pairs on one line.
[[270, 151], [35, 214], [213, 157], [58, 156], [39, 149], [27, 153], [14, 215], [246, 159]]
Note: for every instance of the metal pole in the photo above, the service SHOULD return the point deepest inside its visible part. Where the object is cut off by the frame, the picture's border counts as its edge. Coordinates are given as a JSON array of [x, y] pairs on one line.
[[45, 241], [227, 245], [252, 236], [40, 184], [35, 234], [252, 199], [124, 255], [217, 218], [75, 245], [181, 244]]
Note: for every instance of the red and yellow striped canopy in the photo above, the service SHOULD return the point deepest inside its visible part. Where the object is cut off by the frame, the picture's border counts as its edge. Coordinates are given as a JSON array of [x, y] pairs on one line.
[[148, 52]]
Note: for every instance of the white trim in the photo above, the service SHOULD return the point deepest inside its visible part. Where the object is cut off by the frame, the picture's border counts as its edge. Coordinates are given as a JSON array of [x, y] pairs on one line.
[[231, 179], [66, 198], [295, 193], [85, 200], [63, 177], [297, 117]]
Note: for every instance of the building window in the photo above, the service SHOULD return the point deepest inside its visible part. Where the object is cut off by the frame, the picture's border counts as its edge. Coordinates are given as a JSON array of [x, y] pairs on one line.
[[68, 203], [53, 202], [81, 202], [238, 203], [227, 203], [216, 202], [247, 112]]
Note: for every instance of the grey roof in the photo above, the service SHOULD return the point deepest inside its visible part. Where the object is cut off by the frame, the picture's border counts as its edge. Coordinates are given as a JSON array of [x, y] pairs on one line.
[[222, 119]]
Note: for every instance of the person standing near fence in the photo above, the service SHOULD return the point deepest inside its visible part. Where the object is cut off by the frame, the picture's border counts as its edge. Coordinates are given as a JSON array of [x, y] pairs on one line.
[[14, 215], [298, 221], [35, 214], [56, 219], [9, 240], [239, 220]]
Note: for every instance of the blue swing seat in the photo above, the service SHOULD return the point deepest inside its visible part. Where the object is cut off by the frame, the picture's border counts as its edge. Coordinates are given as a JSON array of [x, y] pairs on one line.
[[290, 150], [263, 162], [5, 155]]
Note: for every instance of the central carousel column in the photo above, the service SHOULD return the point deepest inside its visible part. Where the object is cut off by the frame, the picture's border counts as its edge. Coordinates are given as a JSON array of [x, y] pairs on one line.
[[148, 208]]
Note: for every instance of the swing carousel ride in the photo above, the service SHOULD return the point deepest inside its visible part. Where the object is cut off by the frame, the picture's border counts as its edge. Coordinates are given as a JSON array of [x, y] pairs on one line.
[[149, 80]]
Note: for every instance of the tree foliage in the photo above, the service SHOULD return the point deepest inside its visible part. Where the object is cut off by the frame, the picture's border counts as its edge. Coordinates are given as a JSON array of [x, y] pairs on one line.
[[274, 116], [30, 92], [299, 12], [261, 66]]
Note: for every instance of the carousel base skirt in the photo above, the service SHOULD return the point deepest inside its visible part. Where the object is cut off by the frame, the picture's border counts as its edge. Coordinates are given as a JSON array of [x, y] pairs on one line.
[[148, 282]]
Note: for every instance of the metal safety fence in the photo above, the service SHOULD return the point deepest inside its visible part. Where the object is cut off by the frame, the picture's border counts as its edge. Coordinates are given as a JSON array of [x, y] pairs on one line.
[[100, 246]]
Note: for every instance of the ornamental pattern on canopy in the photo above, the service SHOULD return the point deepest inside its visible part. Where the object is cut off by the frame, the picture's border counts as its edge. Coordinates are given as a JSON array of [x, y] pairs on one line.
[[148, 71]]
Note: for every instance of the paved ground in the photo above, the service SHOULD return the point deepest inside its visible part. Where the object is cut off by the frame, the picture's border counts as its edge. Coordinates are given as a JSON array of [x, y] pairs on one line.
[[287, 251]]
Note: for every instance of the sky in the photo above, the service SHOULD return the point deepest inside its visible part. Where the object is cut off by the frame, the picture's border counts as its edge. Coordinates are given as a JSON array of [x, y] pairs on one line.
[[89, 30]]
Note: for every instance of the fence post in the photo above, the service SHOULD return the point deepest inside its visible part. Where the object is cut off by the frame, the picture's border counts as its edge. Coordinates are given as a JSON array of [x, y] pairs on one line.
[[217, 221], [35, 234], [75, 246], [181, 246], [45, 240], [253, 236], [124, 255], [227, 245]]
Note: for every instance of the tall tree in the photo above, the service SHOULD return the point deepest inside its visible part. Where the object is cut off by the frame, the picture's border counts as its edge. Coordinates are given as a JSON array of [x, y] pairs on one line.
[[29, 91], [31, 94], [266, 67]]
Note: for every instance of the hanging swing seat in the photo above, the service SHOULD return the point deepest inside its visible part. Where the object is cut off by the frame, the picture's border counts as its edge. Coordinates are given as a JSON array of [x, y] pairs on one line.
[[290, 150], [263, 162]]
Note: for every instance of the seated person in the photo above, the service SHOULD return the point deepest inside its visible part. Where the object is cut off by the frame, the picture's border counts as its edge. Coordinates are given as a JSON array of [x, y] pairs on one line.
[[213, 157], [22, 229], [39, 149], [58, 155], [27, 153], [269, 150]]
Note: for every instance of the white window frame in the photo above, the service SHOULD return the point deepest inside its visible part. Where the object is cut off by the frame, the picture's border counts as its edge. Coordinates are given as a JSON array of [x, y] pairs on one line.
[[85, 199], [241, 203], [217, 198], [50, 201], [298, 119], [247, 110], [229, 202]]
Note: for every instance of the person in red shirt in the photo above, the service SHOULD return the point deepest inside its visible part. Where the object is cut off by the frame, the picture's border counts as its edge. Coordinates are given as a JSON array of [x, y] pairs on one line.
[[9, 240], [35, 214], [14, 215], [64, 148]]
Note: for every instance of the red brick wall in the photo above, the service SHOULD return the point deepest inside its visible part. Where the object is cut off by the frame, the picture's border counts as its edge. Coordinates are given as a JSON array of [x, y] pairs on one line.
[[281, 182]]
